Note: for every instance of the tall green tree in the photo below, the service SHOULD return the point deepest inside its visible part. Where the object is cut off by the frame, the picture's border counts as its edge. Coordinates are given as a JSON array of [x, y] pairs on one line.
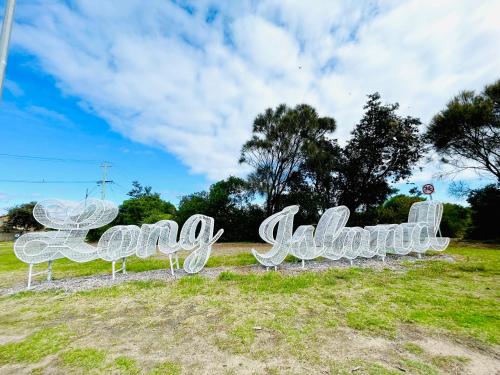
[[467, 132], [383, 149], [138, 211], [229, 203], [281, 139], [313, 187], [144, 207], [395, 210], [454, 223], [318, 184], [456, 220], [21, 218], [139, 191], [485, 213], [196, 203]]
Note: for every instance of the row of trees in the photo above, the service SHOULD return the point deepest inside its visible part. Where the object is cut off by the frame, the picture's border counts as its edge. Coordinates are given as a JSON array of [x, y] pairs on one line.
[[230, 203], [295, 159]]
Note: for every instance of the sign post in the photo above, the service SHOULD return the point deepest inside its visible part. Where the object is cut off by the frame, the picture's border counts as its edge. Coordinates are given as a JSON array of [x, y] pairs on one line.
[[428, 189]]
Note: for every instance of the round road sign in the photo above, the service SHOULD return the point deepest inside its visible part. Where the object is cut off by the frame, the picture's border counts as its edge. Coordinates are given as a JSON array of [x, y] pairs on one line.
[[428, 189]]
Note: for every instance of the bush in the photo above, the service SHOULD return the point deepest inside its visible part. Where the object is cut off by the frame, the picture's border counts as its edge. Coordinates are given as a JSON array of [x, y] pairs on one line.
[[456, 220], [228, 202], [395, 210], [485, 213]]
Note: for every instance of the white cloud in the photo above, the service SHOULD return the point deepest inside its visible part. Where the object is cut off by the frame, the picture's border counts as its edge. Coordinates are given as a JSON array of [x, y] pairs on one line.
[[48, 113], [166, 77], [14, 88]]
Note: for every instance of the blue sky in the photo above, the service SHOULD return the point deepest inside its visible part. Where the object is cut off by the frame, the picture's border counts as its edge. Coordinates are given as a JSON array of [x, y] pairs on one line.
[[37, 119], [167, 93]]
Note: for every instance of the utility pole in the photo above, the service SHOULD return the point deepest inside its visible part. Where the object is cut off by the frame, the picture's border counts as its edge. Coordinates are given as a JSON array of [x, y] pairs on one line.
[[5, 38], [103, 182]]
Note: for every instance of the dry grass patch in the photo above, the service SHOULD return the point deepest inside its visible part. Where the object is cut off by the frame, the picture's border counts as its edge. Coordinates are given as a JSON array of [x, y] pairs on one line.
[[338, 321]]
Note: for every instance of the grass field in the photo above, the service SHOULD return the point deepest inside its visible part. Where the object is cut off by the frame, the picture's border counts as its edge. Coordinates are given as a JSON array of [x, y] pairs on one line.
[[430, 317]]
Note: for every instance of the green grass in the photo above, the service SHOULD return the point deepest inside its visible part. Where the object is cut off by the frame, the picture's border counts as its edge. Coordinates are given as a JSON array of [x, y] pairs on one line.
[[85, 358], [244, 259], [36, 346], [13, 271], [166, 368], [360, 366], [127, 366], [413, 348], [450, 361], [159, 327], [418, 367]]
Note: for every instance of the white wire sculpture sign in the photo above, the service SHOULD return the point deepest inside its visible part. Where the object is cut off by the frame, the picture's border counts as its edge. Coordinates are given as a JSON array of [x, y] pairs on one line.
[[72, 222], [330, 239], [333, 240]]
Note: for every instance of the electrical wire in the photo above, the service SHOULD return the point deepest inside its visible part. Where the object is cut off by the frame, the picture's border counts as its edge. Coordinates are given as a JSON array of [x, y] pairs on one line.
[[120, 186], [49, 182], [46, 158]]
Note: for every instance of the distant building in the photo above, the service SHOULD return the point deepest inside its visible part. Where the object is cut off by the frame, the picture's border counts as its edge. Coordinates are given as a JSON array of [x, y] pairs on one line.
[[3, 219]]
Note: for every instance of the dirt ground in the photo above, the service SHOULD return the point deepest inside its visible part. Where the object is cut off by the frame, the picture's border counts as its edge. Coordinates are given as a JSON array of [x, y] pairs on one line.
[[438, 315]]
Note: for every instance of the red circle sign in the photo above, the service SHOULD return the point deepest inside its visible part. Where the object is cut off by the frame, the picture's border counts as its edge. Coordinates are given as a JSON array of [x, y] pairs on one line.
[[428, 189]]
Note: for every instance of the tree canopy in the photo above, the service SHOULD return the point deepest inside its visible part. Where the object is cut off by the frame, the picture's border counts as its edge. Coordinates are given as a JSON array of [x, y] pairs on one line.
[[467, 132], [139, 191], [296, 160], [140, 210], [229, 203], [281, 138], [384, 148], [456, 220], [485, 208], [396, 209], [21, 218]]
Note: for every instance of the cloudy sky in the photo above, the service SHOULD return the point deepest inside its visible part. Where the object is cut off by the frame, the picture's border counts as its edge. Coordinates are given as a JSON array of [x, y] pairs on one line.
[[167, 90]]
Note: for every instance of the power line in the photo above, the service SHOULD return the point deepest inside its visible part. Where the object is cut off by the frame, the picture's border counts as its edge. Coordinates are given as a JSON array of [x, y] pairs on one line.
[[51, 182], [114, 193], [46, 158], [120, 186]]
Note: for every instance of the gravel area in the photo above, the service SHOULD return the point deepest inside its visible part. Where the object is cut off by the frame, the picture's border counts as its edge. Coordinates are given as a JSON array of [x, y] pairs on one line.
[[76, 284]]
